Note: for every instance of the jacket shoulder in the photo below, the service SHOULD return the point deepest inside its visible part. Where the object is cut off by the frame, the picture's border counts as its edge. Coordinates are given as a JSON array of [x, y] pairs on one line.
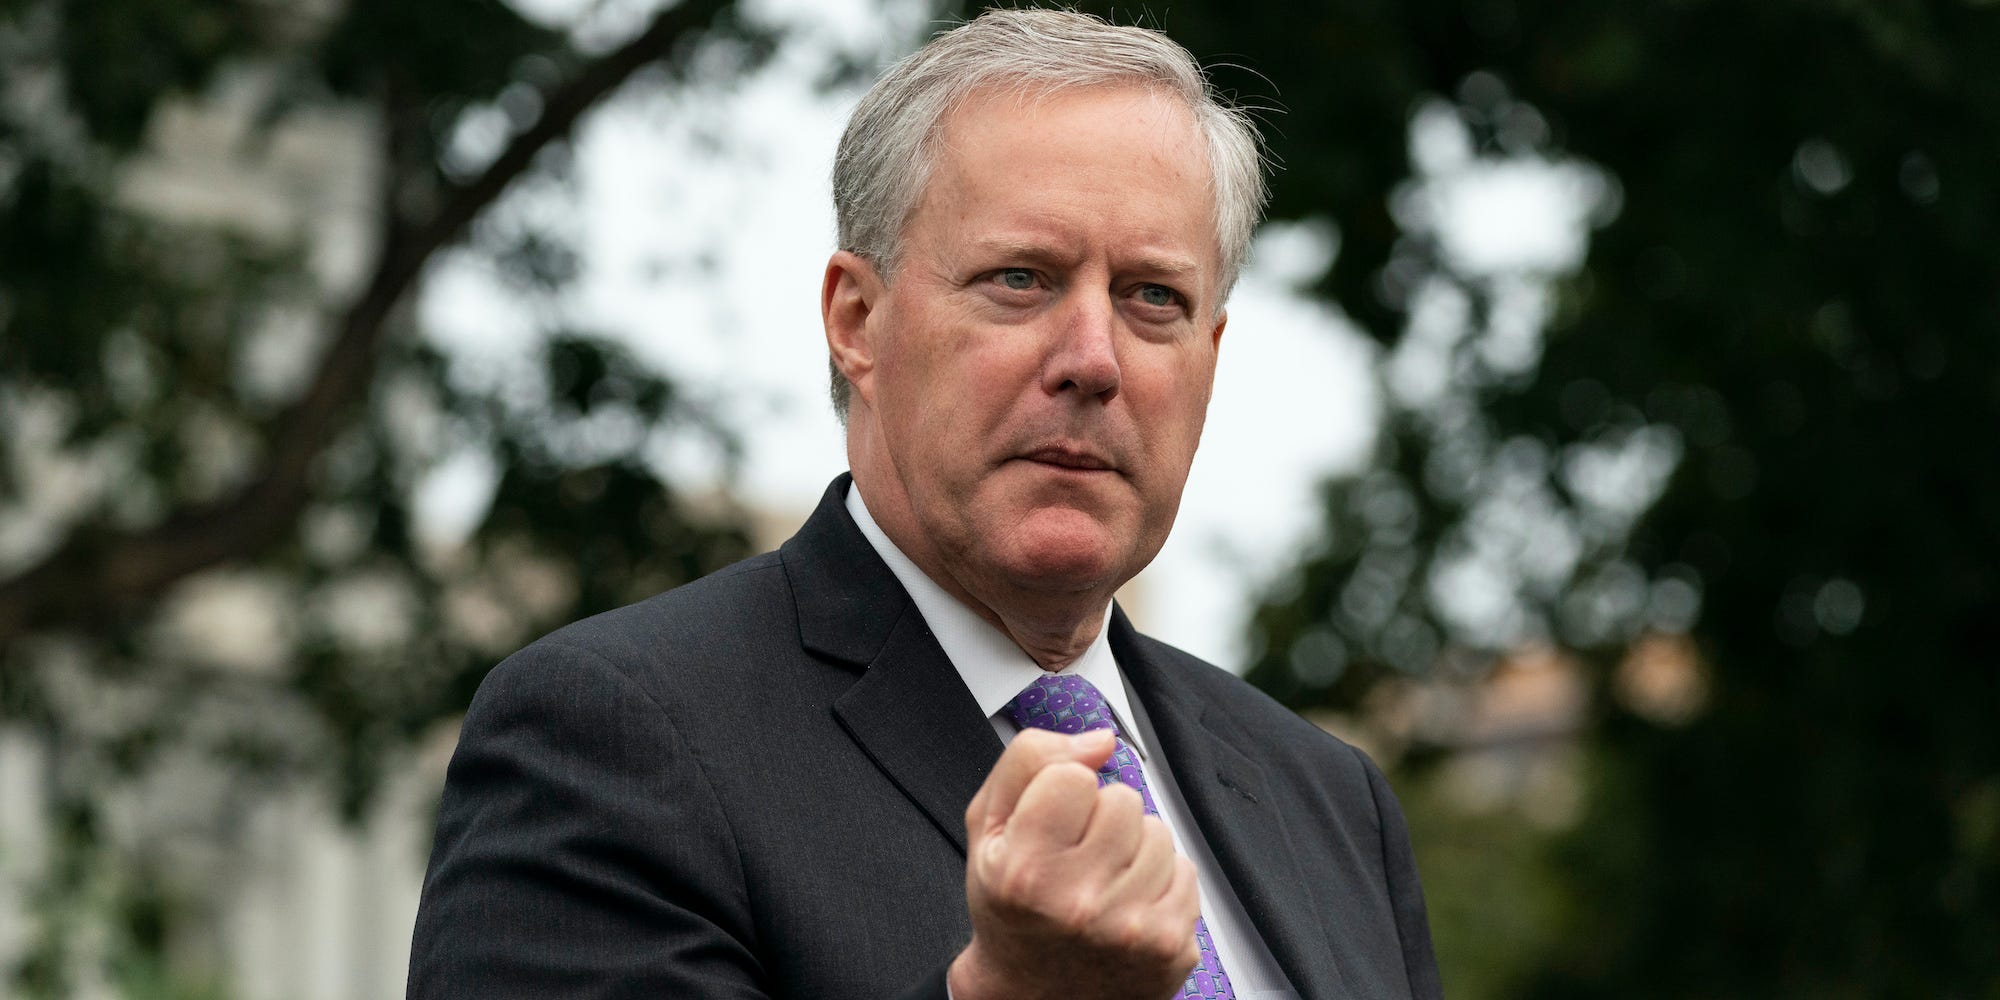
[[714, 622]]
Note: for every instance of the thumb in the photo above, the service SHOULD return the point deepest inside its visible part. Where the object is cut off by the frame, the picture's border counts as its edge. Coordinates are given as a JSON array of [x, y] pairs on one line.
[[1093, 747], [1030, 752]]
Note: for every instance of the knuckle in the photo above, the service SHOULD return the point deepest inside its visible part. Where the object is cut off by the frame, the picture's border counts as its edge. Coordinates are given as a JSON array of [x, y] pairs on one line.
[[990, 857], [1075, 911], [1151, 938], [1163, 943], [1134, 934], [1016, 882], [1187, 954], [1030, 891]]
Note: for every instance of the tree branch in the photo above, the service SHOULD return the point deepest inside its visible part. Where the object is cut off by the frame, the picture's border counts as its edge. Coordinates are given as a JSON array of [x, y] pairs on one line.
[[95, 573]]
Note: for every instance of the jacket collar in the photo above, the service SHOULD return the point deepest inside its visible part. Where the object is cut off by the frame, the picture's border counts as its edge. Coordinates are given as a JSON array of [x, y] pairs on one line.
[[846, 598]]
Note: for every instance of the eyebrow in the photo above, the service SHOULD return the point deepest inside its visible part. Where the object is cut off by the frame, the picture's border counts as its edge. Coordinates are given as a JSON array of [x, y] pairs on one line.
[[1013, 248], [1173, 267]]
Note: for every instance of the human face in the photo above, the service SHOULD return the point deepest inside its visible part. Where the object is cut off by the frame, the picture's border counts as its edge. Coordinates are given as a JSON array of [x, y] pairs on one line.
[[1041, 360]]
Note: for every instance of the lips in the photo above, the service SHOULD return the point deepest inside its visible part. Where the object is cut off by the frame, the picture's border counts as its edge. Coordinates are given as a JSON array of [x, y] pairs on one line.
[[1069, 457]]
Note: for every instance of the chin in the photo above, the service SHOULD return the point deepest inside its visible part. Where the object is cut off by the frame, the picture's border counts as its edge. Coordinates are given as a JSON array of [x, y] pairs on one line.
[[1056, 576], [1066, 554]]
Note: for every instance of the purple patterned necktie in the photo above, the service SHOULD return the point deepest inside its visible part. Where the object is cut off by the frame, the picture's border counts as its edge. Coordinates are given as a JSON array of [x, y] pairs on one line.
[[1072, 705]]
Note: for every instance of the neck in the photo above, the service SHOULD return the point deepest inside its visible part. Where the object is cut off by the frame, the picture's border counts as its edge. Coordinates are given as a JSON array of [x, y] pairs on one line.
[[1054, 642]]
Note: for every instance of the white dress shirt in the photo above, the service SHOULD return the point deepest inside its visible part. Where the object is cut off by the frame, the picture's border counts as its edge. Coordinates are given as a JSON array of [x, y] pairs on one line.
[[995, 670]]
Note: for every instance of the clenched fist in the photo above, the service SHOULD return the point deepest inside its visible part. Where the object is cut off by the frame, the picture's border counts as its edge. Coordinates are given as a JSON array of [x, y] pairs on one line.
[[1074, 891]]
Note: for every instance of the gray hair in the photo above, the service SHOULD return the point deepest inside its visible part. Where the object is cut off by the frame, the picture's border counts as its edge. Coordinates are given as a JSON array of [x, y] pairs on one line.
[[886, 155]]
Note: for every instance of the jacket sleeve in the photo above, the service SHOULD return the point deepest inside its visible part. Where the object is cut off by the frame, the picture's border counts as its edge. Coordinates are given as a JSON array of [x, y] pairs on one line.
[[581, 852], [1406, 895]]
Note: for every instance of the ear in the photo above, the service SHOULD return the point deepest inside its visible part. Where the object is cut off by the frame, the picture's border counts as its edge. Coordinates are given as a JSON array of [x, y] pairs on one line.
[[1215, 335], [848, 296]]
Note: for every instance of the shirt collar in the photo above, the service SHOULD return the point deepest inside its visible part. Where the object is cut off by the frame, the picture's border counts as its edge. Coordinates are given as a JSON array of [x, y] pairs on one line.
[[993, 667]]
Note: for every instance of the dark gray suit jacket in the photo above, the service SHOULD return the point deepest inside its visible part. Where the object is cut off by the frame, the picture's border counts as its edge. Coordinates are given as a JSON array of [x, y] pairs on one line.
[[754, 786]]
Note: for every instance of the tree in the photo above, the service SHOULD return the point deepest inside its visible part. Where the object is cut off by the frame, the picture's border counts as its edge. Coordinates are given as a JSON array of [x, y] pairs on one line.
[[1756, 418], [208, 412]]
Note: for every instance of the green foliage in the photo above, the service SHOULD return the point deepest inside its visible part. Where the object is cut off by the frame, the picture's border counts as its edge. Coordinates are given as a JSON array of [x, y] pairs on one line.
[[449, 50], [1795, 308], [205, 413], [131, 51], [1490, 884], [98, 913]]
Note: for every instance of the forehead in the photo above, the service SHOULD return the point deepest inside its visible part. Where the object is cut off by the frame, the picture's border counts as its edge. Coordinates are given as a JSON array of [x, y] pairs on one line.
[[1001, 122], [1125, 159]]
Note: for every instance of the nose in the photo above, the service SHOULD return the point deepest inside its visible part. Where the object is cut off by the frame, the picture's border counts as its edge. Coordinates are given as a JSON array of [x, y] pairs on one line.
[[1083, 356]]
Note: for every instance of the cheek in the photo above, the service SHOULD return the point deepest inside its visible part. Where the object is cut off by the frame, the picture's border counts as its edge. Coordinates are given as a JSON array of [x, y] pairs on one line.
[[912, 363], [1172, 402], [974, 383]]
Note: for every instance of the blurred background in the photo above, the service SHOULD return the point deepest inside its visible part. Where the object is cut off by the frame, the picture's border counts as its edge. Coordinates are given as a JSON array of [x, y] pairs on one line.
[[1605, 440]]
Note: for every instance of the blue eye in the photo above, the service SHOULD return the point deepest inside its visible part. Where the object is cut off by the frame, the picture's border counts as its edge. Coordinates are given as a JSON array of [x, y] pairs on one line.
[[1156, 295], [1019, 279]]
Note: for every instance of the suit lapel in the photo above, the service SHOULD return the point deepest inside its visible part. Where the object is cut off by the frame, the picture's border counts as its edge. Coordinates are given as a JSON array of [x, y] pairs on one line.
[[909, 711], [913, 716], [1240, 814]]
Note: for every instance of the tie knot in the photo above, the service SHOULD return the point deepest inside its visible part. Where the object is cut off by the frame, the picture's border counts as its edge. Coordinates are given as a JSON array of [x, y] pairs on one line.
[[1064, 704]]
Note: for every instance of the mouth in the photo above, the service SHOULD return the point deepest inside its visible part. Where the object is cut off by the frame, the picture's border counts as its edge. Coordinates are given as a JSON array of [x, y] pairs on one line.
[[1068, 456]]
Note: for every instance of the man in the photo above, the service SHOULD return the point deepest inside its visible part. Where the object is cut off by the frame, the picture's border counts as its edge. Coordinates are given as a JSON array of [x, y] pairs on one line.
[[788, 779]]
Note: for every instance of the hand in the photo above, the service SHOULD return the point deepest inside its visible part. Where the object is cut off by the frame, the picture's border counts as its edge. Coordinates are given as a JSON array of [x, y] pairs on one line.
[[1073, 890]]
